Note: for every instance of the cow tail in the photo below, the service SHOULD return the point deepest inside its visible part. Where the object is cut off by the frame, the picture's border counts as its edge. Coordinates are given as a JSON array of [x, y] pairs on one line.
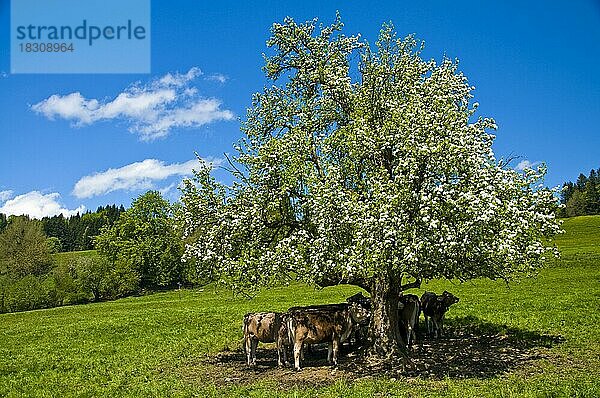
[[418, 315], [291, 329], [245, 330], [245, 325]]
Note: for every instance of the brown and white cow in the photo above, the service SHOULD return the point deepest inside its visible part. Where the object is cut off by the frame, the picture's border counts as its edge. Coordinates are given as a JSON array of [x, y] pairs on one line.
[[331, 324], [266, 327], [307, 347], [409, 310], [434, 310]]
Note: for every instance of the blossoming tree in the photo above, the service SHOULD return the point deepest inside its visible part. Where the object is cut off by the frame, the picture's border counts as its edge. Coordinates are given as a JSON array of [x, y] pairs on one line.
[[363, 165]]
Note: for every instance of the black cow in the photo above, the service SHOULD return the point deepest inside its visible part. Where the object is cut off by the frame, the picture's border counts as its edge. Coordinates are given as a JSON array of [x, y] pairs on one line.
[[434, 309]]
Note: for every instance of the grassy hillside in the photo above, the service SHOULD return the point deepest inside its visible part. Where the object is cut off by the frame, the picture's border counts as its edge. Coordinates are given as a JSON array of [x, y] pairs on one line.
[[539, 337], [69, 257], [582, 236]]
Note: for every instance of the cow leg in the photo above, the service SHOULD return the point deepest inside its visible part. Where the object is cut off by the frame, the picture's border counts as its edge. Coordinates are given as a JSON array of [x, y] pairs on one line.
[[329, 352], [414, 335], [248, 349], [413, 329], [427, 325], [254, 344], [297, 352], [285, 352], [405, 332], [335, 345], [280, 348], [436, 327], [307, 349], [442, 325]]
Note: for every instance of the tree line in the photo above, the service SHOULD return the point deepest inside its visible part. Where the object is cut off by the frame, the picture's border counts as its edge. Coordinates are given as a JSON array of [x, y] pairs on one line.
[[581, 197], [138, 249], [75, 232]]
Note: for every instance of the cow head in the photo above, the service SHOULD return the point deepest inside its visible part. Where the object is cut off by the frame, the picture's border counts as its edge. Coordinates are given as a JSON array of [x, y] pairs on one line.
[[358, 298], [449, 299], [360, 308], [360, 315]]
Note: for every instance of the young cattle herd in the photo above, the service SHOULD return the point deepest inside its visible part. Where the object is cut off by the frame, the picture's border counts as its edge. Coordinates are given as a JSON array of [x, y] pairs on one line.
[[336, 323]]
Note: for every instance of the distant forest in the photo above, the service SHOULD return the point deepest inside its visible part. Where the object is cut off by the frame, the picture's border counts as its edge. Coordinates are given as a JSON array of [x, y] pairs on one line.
[[581, 197], [76, 232], [136, 249]]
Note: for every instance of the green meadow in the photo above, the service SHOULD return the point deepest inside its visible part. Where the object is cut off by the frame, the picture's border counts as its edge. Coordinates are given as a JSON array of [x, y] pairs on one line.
[[536, 337]]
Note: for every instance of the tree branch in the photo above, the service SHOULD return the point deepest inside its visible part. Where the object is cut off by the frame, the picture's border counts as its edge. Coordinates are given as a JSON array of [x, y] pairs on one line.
[[356, 281], [236, 172], [413, 285]]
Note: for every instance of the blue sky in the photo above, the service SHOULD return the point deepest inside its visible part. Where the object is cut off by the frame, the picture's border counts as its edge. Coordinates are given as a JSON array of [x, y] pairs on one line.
[[534, 65]]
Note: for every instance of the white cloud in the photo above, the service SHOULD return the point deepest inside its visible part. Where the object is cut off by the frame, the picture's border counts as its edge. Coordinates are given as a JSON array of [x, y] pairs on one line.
[[135, 176], [198, 114], [178, 79], [152, 110], [167, 190], [5, 195], [526, 164], [37, 205], [71, 107], [217, 77]]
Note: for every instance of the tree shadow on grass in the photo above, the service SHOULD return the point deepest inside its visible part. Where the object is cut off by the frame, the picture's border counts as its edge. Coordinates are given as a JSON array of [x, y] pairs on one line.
[[470, 348]]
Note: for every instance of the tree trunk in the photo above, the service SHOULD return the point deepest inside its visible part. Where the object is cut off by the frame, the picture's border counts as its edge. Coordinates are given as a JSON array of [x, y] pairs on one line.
[[387, 342]]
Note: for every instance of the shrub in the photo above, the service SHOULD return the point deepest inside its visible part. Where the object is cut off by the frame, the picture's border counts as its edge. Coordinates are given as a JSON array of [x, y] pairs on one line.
[[103, 279], [27, 293], [54, 245], [67, 290]]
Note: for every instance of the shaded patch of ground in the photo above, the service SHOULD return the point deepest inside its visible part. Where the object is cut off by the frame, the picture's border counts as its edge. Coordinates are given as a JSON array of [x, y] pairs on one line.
[[470, 349]]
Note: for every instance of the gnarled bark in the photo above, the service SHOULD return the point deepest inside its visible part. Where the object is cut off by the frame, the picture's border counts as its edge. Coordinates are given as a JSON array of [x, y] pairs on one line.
[[386, 340]]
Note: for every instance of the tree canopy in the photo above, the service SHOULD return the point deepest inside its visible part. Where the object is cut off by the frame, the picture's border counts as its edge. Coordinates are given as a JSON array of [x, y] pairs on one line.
[[582, 197], [3, 222], [365, 165], [145, 236], [24, 249]]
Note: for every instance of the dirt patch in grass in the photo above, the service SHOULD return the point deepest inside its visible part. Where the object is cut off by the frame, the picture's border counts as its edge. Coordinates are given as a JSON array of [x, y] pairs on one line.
[[470, 349]]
